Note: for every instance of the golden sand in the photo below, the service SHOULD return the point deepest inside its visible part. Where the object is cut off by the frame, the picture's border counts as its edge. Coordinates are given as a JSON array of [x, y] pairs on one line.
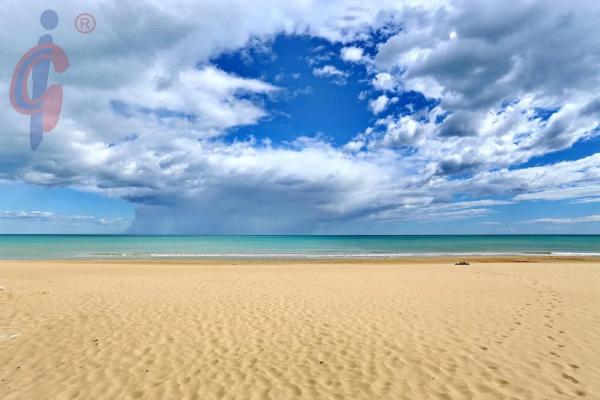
[[395, 330]]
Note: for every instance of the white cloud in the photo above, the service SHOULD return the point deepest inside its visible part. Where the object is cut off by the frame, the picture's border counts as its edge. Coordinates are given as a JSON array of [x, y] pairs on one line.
[[351, 54], [331, 72], [562, 193], [384, 81], [499, 66], [589, 218], [209, 94], [379, 104], [26, 215], [143, 122], [69, 219], [587, 201]]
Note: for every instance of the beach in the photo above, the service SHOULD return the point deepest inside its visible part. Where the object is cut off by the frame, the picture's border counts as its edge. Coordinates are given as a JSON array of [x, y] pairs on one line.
[[501, 328]]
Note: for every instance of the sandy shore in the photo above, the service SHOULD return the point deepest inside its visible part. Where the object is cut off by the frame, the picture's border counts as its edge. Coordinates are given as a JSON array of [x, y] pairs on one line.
[[286, 330]]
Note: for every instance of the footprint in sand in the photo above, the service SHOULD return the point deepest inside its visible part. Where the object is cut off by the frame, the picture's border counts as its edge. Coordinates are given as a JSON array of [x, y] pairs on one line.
[[569, 378]]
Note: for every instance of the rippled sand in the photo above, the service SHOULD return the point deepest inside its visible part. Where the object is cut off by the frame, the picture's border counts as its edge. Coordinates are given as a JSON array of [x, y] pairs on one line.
[[299, 331]]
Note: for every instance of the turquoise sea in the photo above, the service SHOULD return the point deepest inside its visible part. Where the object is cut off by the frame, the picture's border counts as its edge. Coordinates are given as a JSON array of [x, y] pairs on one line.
[[125, 246]]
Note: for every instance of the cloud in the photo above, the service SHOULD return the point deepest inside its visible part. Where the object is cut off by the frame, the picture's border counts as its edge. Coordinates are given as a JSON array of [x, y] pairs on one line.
[[384, 81], [69, 219], [379, 104], [589, 218], [213, 98], [563, 193], [147, 114], [26, 215], [329, 71], [508, 83], [587, 201], [351, 54]]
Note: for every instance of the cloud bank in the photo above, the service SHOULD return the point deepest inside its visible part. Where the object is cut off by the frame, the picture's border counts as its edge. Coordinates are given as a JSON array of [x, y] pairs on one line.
[[148, 115]]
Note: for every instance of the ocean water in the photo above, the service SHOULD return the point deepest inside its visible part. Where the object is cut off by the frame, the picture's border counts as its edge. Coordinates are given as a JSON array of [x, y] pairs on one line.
[[125, 246]]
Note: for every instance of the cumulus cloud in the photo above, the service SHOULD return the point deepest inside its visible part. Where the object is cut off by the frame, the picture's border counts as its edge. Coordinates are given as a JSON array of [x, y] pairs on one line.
[[208, 95], [384, 81], [381, 103], [147, 115], [511, 82], [351, 54]]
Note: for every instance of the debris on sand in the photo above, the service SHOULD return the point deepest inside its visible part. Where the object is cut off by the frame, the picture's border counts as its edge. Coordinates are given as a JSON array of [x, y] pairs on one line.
[[462, 263]]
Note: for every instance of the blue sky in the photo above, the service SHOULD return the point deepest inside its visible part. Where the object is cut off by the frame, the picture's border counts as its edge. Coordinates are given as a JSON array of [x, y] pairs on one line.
[[343, 118]]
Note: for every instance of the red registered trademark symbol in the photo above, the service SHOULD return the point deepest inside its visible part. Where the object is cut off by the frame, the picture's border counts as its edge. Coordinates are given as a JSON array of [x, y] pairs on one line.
[[85, 23]]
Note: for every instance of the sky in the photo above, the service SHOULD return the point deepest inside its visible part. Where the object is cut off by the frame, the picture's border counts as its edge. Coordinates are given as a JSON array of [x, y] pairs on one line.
[[309, 117]]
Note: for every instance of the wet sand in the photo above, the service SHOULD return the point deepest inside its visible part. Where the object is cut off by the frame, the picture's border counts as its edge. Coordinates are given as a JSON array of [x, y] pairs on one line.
[[395, 329]]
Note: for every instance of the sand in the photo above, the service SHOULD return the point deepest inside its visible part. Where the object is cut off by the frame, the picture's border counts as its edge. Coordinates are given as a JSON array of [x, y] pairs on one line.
[[230, 330]]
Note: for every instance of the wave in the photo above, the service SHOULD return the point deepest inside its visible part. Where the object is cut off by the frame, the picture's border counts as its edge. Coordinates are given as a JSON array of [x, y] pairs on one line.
[[574, 254], [338, 255]]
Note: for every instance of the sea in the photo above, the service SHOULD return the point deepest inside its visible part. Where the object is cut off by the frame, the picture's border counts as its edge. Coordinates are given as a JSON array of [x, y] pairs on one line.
[[35, 247]]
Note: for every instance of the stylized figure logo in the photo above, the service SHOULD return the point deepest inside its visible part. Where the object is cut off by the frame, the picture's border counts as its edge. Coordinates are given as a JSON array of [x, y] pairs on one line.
[[45, 103]]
